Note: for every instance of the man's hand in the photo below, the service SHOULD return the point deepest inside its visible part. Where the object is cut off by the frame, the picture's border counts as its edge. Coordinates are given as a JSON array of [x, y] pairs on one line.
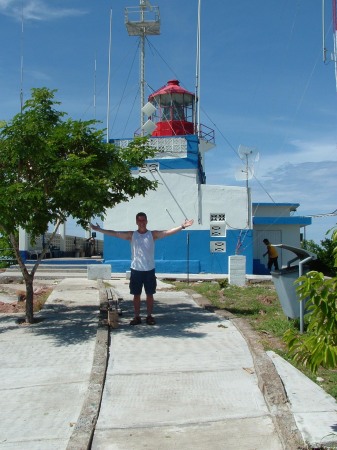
[[95, 227], [187, 223]]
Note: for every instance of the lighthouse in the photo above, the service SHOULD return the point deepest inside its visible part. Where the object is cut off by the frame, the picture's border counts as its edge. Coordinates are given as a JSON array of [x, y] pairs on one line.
[[175, 110], [219, 212]]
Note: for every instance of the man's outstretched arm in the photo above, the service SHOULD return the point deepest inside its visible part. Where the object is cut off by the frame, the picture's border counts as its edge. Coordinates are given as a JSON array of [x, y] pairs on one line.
[[166, 233], [126, 235]]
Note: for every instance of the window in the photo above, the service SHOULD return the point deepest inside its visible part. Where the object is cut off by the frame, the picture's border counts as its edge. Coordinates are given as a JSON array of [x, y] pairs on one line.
[[217, 224], [218, 246]]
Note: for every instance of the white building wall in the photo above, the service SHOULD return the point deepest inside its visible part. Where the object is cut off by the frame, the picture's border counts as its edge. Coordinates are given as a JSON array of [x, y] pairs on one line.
[[233, 201], [178, 197], [274, 210]]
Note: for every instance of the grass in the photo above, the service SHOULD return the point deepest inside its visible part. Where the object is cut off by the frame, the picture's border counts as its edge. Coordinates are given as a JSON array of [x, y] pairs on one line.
[[259, 305]]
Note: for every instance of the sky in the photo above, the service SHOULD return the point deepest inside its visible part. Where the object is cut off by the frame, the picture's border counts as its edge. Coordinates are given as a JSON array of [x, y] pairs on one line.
[[263, 82]]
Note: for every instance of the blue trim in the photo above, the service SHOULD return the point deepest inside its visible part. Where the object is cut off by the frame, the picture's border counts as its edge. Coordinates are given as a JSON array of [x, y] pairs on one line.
[[293, 220], [275, 204], [69, 261], [24, 255], [190, 162], [171, 254], [172, 266]]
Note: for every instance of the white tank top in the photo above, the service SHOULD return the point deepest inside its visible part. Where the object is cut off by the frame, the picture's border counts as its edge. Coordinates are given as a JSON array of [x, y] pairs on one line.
[[142, 251]]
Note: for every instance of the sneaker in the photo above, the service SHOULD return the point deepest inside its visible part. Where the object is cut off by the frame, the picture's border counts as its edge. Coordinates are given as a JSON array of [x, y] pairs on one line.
[[150, 320], [136, 321]]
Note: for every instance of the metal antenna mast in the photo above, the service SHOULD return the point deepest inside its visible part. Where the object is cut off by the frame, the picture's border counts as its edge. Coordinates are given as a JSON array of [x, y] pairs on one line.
[[21, 67], [142, 21], [196, 118], [109, 80], [334, 12], [333, 56]]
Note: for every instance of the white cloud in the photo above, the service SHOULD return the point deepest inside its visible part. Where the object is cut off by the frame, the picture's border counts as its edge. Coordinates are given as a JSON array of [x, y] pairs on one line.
[[36, 10], [313, 185], [38, 75]]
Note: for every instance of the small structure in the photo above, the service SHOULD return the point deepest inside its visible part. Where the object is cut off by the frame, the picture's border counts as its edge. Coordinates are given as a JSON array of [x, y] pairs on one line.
[[284, 282], [278, 223]]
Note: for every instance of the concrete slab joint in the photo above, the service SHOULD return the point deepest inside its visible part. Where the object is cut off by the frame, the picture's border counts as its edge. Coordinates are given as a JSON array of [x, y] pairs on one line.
[[82, 435]]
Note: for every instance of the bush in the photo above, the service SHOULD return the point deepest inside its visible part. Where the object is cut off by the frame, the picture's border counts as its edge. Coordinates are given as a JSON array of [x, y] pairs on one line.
[[325, 256], [318, 347]]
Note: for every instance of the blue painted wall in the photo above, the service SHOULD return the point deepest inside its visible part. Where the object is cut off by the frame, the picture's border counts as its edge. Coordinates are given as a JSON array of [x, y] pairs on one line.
[[175, 255]]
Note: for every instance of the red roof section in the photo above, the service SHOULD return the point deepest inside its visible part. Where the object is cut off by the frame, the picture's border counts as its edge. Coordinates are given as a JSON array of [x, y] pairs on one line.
[[172, 87]]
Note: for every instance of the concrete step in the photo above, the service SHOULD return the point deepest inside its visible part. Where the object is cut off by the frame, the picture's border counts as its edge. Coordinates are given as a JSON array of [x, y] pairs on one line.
[[56, 268], [61, 265], [52, 268]]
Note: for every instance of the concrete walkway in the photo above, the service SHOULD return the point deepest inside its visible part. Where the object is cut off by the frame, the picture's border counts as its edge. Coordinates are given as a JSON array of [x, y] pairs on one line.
[[187, 382], [45, 368], [195, 380]]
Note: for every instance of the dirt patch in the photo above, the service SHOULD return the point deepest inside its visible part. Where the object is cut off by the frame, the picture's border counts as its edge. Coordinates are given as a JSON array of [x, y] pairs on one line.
[[13, 298], [266, 299]]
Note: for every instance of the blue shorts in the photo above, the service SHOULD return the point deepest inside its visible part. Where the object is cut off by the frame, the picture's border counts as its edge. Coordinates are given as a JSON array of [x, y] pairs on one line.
[[140, 278]]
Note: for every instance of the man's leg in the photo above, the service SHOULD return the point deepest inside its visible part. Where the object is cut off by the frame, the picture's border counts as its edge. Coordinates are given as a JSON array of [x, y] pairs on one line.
[[149, 304], [136, 290], [136, 305], [150, 285]]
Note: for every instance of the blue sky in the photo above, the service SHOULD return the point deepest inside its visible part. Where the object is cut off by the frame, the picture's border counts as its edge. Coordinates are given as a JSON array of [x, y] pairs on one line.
[[263, 82]]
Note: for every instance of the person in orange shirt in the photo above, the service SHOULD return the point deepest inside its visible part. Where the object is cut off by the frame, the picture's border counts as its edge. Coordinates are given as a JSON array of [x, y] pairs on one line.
[[272, 255]]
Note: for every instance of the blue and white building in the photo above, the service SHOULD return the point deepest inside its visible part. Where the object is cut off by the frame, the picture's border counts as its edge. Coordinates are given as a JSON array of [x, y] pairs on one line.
[[226, 223]]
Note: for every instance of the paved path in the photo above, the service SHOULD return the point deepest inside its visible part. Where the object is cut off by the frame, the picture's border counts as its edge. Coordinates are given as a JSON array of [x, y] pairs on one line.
[[45, 368], [193, 381]]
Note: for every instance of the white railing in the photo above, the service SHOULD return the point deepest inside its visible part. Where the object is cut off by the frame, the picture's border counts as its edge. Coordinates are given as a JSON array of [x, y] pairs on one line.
[[73, 245]]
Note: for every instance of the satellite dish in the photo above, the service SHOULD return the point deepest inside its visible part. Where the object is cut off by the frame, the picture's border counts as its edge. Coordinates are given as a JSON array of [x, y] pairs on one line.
[[148, 109], [244, 174], [149, 126], [249, 155]]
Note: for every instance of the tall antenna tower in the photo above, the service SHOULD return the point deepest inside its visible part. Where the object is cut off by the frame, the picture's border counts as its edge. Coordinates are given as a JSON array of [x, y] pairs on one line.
[[142, 21], [333, 56], [334, 12], [249, 156]]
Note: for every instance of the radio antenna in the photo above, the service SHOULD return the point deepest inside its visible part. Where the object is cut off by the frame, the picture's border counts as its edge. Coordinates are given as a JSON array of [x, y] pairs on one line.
[[109, 80], [21, 62]]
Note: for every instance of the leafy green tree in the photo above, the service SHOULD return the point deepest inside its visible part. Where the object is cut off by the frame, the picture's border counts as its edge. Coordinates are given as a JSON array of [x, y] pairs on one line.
[[318, 347], [325, 259], [53, 167], [5, 250]]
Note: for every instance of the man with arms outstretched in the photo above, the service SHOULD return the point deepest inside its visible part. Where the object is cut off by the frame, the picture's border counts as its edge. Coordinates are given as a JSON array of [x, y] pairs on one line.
[[142, 261]]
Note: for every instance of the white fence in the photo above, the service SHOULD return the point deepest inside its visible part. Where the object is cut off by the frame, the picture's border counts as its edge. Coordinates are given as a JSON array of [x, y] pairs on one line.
[[73, 246]]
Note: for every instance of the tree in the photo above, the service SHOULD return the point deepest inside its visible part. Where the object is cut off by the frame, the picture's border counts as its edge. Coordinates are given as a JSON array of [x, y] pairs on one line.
[[52, 168], [325, 260], [318, 347], [6, 251]]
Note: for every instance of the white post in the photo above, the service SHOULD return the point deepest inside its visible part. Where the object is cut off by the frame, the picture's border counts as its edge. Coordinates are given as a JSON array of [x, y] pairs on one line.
[[237, 270], [23, 240], [62, 230]]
